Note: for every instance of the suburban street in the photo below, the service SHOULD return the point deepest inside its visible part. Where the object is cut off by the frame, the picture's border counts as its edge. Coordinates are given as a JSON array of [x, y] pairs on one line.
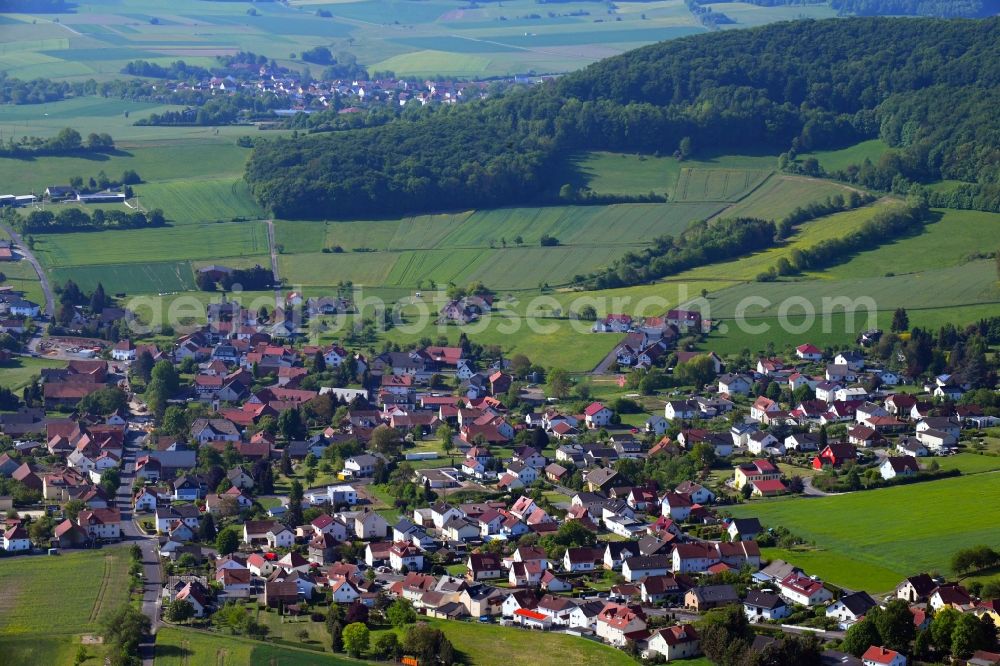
[[152, 574]]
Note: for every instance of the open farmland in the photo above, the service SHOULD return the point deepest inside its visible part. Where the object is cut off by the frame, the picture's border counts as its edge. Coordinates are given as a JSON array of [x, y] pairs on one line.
[[948, 241], [806, 235], [717, 184], [200, 200], [171, 243], [38, 626], [465, 247], [158, 277], [199, 648], [836, 160], [781, 194], [893, 532]]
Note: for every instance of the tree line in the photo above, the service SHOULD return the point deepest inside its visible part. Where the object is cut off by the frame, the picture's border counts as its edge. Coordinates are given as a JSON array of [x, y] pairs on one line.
[[74, 219], [67, 142]]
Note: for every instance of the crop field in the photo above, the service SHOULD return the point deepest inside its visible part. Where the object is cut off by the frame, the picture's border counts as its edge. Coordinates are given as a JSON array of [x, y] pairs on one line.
[[420, 39], [972, 283], [200, 200], [634, 174], [717, 184], [89, 584], [747, 15], [464, 247], [781, 194], [952, 239], [171, 243], [877, 537], [806, 235], [158, 277]]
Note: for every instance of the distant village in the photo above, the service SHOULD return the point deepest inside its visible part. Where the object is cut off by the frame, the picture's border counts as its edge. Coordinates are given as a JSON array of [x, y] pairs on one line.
[[452, 481]]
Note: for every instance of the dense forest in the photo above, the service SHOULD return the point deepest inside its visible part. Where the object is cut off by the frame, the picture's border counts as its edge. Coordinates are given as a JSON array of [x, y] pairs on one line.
[[789, 86]]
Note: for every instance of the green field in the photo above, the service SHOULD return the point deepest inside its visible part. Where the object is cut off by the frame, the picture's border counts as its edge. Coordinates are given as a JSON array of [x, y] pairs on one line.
[[161, 277], [806, 235], [873, 539], [727, 185], [196, 648], [634, 174], [949, 241], [836, 160], [782, 194], [456, 248], [201, 200], [149, 261], [47, 602], [16, 373]]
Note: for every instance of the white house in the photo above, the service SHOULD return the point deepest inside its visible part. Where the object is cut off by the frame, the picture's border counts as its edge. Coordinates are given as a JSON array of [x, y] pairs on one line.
[[597, 415], [898, 466], [801, 589], [16, 539], [880, 656], [850, 608], [677, 642], [762, 606]]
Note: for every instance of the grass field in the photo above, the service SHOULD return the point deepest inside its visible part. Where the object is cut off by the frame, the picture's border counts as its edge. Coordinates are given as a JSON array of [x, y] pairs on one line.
[[806, 235], [201, 200], [836, 160], [41, 626], [149, 261], [492, 645], [184, 647], [16, 373], [463, 247], [781, 194], [726, 185], [632, 174], [871, 540], [957, 235]]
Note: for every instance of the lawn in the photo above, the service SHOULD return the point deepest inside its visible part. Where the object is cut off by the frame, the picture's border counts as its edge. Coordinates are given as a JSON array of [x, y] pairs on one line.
[[970, 463], [872, 539], [16, 373]]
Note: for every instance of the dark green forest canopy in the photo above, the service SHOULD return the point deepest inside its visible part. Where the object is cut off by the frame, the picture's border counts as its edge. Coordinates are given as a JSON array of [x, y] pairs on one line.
[[799, 85]]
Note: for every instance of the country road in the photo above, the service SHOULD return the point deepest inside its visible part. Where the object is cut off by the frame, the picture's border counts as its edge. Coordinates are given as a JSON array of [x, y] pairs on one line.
[[50, 301]]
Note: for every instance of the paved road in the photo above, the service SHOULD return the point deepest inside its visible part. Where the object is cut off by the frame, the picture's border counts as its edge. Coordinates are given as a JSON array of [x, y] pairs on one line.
[[608, 361], [278, 301], [152, 574], [50, 301]]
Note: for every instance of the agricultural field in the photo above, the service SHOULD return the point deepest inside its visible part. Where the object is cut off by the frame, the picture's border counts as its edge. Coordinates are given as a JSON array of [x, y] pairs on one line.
[[728, 185], [37, 626], [147, 260], [872, 539], [464, 247], [432, 38], [806, 235], [636, 174], [781, 194], [956, 236], [201, 200]]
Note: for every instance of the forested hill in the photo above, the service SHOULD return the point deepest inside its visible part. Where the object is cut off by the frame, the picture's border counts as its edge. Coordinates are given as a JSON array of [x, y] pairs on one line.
[[799, 85]]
